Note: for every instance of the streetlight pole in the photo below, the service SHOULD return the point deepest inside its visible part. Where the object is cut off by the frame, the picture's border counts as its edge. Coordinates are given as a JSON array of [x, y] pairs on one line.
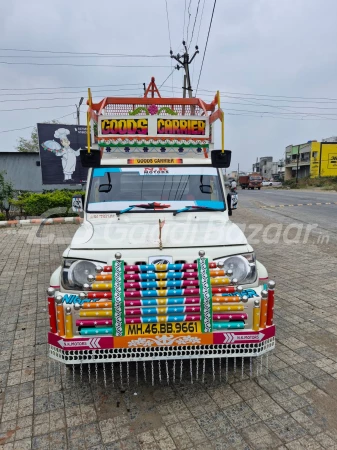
[[78, 110]]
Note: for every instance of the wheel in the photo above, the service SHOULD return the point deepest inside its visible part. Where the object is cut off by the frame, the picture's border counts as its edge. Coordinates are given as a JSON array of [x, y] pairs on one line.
[[243, 187], [259, 188]]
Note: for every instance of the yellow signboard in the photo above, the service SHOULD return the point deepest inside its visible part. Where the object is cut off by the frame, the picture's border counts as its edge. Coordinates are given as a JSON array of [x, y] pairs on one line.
[[323, 159]]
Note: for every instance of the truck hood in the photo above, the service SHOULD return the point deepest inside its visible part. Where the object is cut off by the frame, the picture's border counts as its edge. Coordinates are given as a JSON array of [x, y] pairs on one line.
[[142, 231]]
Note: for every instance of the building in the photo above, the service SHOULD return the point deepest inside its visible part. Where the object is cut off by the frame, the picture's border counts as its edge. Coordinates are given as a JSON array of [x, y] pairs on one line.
[[269, 169], [314, 159], [24, 171]]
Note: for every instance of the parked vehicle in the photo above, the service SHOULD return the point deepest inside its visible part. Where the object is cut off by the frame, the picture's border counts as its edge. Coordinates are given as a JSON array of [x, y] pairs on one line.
[[157, 271], [271, 183], [244, 181], [251, 181]]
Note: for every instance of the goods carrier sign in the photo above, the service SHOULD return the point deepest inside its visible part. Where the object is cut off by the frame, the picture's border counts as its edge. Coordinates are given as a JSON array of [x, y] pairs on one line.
[[153, 126], [125, 126]]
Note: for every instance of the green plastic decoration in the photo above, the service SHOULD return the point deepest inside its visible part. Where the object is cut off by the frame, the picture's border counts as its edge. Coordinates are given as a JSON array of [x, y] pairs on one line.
[[139, 110], [168, 111]]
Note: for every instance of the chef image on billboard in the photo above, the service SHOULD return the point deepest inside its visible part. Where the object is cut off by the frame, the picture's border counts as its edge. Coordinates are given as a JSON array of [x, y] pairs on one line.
[[64, 150]]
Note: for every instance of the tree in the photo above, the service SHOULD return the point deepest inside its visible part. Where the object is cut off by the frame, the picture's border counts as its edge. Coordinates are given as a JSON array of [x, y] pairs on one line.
[[6, 192], [31, 144]]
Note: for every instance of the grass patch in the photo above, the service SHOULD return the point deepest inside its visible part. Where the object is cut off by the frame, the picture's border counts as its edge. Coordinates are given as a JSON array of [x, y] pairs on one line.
[[325, 183]]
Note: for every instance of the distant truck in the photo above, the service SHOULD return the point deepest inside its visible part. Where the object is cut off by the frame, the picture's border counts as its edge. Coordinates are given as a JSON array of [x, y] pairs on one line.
[[252, 181]]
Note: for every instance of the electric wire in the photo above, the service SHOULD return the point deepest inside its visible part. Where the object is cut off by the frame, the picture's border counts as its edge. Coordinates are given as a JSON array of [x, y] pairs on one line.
[[78, 53], [228, 94], [73, 65], [201, 15], [169, 34], [195, 20], [82, 56], [277, 117], [275, 96], [32, 126], [69, 92], [189, 19], [168, 24], [69, 87], [203, 58], [184, 21], [37, 107], [167, 78], [61, 98]]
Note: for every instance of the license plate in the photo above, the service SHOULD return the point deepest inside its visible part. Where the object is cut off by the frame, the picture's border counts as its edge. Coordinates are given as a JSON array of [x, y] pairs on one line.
[[163, 328]]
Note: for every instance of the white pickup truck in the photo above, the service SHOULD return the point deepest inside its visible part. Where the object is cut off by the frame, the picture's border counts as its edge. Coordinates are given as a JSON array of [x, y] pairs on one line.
[[157, 270]]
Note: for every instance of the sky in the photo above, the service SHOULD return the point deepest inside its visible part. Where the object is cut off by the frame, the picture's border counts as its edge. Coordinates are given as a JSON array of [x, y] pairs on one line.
[[259, 52]]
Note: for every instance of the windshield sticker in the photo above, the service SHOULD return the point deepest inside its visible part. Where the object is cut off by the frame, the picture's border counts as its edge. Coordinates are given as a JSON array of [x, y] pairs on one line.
[[179, 171], [155, 161]]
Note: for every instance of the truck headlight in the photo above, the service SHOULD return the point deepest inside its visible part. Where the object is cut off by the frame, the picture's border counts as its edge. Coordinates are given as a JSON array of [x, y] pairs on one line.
[[75, 272], [243, 267]]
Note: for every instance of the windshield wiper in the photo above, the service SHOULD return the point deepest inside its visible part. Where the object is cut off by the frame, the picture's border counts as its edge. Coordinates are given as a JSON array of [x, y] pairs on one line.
[[195, 207], [153, 205]]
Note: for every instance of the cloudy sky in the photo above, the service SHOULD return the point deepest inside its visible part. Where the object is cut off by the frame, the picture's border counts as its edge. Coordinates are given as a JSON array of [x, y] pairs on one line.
[[270, 49]]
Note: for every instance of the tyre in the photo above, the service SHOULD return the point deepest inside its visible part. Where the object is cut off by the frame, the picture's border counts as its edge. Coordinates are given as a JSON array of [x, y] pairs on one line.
[[259, 188]]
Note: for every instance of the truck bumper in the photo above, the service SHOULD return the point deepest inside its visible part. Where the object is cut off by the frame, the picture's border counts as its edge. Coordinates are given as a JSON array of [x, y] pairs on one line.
[[205, 315]]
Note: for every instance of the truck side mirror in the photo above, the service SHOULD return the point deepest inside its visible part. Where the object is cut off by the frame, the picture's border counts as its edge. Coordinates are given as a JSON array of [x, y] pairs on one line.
[[77, 203], [92, 159], [229, 204], [234, 201], [221, 160]]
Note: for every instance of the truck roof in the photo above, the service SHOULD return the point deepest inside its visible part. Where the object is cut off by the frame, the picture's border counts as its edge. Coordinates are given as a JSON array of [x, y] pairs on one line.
[[153, 130]]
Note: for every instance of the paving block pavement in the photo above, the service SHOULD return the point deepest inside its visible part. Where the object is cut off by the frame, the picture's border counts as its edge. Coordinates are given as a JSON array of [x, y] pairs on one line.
[[292, 407]]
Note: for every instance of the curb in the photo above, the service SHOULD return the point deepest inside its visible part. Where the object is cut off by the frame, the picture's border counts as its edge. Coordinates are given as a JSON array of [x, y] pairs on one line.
[[53, 221]]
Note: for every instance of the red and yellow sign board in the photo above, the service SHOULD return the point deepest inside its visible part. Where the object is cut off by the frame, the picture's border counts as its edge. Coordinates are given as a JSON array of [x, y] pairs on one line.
[[193, 127], [164, 161], [153, 126], [124, 127]]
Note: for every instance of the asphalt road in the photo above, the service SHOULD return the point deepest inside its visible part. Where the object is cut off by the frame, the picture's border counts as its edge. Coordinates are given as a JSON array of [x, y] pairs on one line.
[[295, 206]]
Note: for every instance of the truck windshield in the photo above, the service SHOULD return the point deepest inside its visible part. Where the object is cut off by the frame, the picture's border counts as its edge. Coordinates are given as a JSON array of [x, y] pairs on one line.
[[165, 188]]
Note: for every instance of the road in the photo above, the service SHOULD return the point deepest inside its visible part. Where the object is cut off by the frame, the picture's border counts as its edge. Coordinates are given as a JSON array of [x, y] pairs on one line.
[[295, 206], [294, 407]]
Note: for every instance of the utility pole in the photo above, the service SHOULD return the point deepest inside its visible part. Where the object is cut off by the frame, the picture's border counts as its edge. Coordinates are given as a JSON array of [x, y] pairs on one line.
[[298, 160], [183, 62], [78, 110]]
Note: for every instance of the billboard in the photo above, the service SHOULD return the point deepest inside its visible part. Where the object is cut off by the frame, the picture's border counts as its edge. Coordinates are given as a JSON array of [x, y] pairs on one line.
[[323, 162], [154, 126], [60, 147]]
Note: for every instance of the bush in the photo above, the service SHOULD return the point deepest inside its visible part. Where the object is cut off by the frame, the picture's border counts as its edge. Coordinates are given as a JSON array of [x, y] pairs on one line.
[[36, 204], [326, 183], [2, 216]]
